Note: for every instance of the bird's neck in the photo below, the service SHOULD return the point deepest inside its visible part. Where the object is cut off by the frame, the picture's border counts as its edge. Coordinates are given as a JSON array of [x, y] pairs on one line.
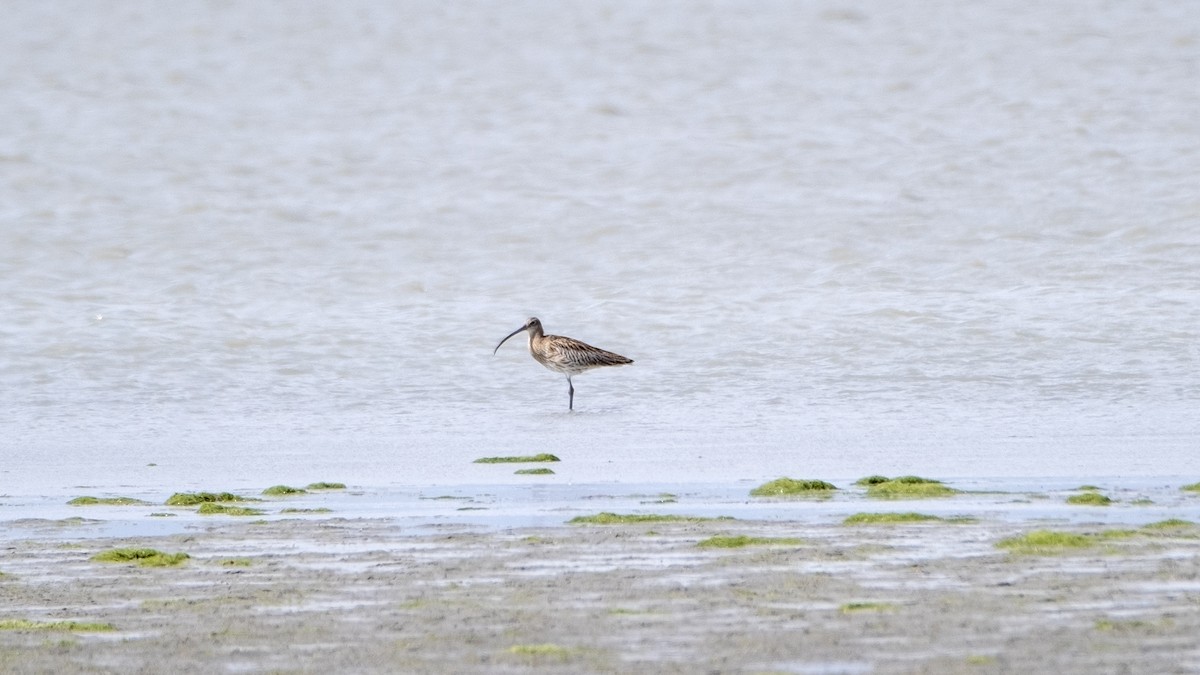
[[535, 336]]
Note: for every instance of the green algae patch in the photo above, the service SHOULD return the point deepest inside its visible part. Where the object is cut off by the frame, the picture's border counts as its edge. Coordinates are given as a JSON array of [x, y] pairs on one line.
[[626, 611], [323, 485], [235, 562], [871, 480], [741, 541], [72, 521], [1193, 487], [1132, 625], [194, 498], [542, 652], [64, 626], [1044, 542], [607, 518], [895, 518], [1089, 499], [524, 459], [792, 487], [1108, 535], [215, 509], [106, 501], [284, 491], [907, 487], [534, 472], [857, 607], [145, 557], [1170, 524], [317, 510]]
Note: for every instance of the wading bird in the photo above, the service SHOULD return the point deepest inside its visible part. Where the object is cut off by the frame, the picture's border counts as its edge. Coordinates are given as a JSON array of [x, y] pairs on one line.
[[564, 355]]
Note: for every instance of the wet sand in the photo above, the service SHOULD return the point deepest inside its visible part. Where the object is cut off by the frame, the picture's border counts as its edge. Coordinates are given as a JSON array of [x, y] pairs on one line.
[[334, 594]]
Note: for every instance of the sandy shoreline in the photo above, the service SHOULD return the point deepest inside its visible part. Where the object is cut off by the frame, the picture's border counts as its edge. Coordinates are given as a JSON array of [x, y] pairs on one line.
[[335, 594]]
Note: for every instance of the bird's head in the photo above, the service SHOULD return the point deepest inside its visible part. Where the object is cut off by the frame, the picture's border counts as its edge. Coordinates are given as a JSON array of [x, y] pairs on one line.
[[533, 325]]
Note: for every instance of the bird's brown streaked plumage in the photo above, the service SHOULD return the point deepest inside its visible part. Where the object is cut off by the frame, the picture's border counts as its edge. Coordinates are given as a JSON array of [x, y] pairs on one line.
[[564, 355]]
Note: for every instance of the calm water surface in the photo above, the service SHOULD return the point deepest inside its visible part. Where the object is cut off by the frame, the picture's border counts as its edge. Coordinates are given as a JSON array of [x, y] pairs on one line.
[[244, 244]]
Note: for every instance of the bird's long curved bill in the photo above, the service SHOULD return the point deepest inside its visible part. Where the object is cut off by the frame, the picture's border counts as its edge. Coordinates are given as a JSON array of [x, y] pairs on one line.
[[506, 339]]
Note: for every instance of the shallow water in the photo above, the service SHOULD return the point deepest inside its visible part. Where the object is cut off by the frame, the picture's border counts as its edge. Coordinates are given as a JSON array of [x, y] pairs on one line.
[[243, 245], [551, 503]]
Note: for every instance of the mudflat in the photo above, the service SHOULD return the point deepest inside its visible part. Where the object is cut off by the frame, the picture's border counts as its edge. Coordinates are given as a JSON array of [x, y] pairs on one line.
[[876, 594]]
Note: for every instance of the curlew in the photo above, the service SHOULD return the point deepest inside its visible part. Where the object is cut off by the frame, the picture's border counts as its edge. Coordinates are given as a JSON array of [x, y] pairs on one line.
[[564, 355]]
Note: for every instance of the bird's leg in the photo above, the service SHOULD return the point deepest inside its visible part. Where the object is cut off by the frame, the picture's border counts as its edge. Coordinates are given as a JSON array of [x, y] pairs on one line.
[[571, 393]]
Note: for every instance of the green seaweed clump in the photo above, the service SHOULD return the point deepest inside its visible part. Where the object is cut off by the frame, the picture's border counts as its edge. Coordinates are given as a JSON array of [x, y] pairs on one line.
[[214, 509], [741, 540], [194, 498], [534, 472], [792, 487], [526, 459], [1089, 499], [323, 485], [607, 518], [909, 487], [1046, 542], [541, 652], [853, 607], [73, 521], [106, 501], [888, 518], [145, 557], [1192, 487], [1169, 524], [1130, 625], [284, 491], [68, 626], [872, 480]]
